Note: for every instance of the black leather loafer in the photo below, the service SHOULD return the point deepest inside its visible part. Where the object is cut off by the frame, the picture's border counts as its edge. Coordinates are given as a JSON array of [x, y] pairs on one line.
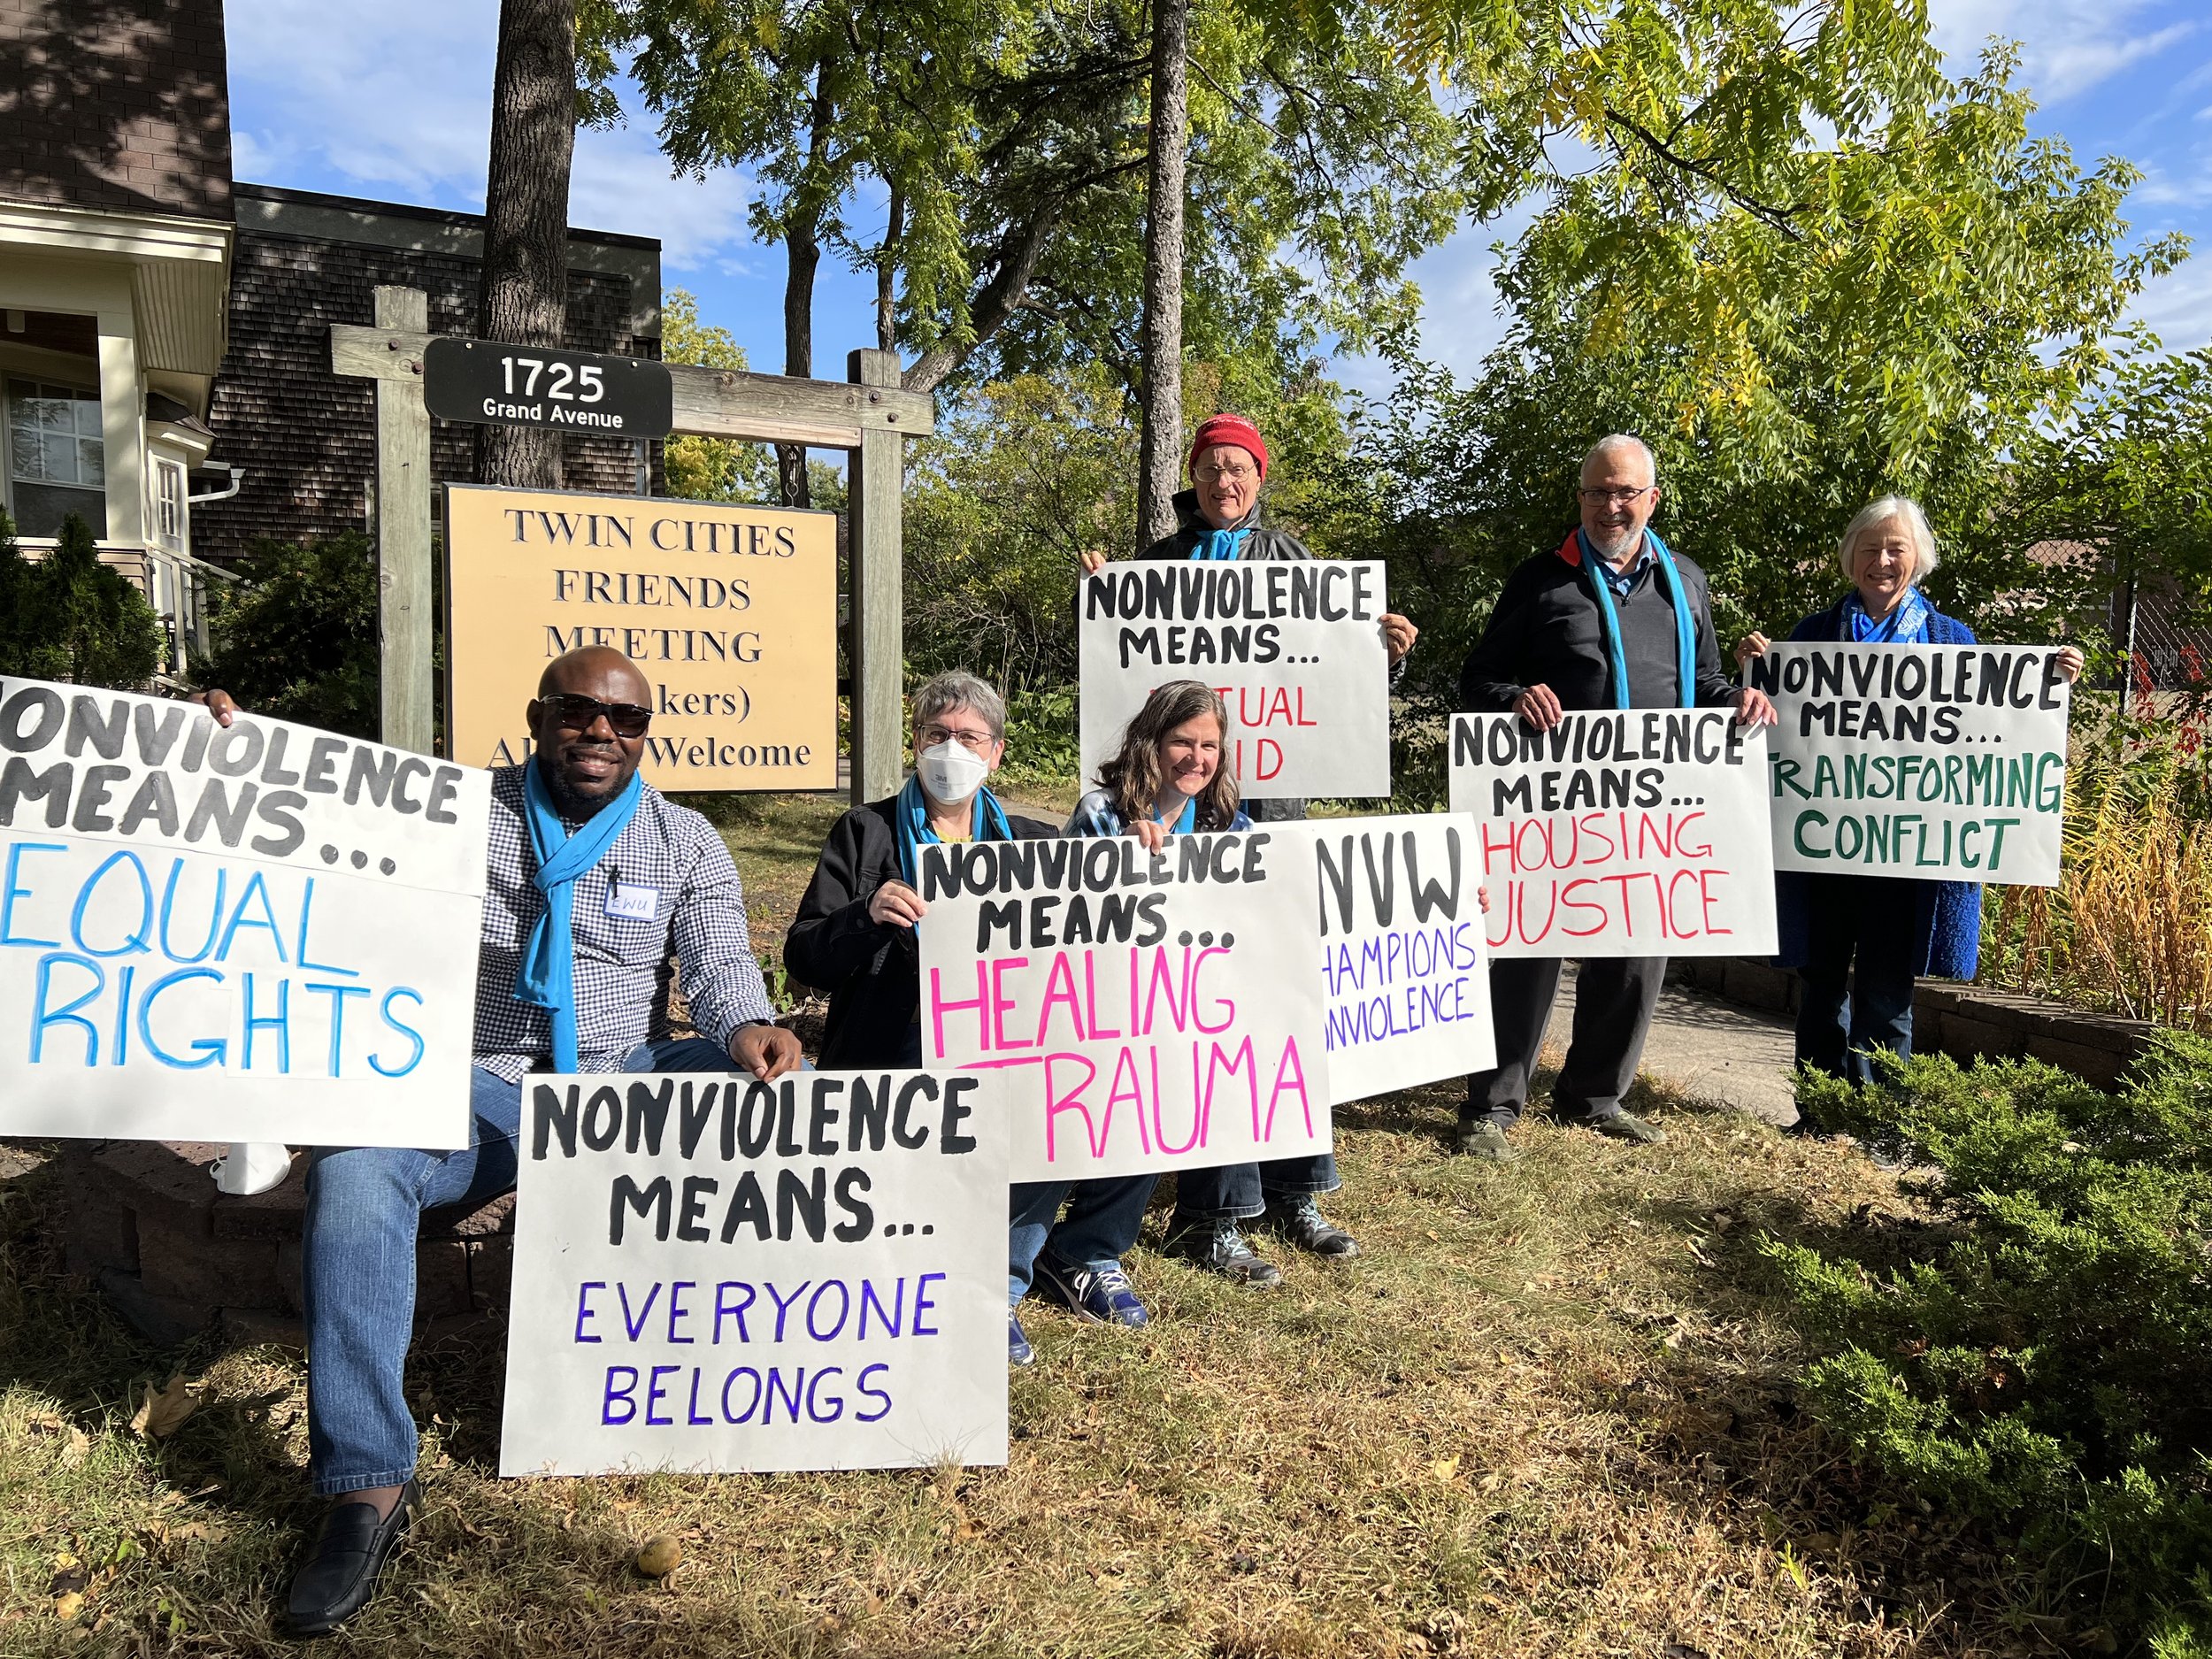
[[340, 1573]]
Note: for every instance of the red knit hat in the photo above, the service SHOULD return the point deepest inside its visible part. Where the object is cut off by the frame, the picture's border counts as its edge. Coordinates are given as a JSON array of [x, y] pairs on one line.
[[1230, 429]]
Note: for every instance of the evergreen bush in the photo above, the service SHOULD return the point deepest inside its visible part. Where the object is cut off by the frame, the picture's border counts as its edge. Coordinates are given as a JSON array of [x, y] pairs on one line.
[[297, 639], [70, 617]]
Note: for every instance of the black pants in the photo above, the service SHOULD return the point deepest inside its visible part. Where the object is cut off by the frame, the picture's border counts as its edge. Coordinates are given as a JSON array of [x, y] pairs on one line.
[[1614, 997], [1862, 938]]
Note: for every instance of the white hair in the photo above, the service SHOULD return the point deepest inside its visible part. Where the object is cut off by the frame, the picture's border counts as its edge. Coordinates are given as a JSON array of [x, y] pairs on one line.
[[956, 688], [1916, 522], [1618, 441]]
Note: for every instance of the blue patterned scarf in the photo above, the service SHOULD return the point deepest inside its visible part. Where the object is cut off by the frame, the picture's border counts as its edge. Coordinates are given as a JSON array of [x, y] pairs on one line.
[[1907, 624], [546, 976], [911, 818], [1669, 576]]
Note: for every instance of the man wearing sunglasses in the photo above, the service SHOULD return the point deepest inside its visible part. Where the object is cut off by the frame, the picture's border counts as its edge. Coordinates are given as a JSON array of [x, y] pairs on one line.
[[595, 881]]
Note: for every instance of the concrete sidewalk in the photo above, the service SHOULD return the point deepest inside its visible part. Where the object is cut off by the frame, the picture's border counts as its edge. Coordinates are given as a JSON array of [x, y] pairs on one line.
[[1706, 1047]]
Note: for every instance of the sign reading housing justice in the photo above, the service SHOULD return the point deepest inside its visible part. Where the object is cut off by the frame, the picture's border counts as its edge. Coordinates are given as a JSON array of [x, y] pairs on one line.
[[1637, 834], [1295, 647], [730, 612], [715, 1273], [1157, 1011], [258, 932], [1936, 761]]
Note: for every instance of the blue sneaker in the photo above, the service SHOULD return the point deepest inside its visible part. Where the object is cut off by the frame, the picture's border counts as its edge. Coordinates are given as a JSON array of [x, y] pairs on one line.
[[1017, 1349], [1099, 1295]]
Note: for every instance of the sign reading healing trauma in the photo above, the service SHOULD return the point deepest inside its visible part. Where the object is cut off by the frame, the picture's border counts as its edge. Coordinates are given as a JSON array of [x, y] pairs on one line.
[[258, 932], [1156, 1011], [1295, 647], [730, 612], [1637, 834], [715, 1273], [1932, 762]]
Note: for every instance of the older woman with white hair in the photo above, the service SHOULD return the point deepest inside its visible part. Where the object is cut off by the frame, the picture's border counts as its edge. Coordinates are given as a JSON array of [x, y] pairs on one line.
[[1858, 942]]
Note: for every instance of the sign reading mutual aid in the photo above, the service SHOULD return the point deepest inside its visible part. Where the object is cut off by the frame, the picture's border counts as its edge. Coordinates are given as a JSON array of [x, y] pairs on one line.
[[1637, 834], [716, 1273], [1402, 954], [1295, 647], [729, 612], [263, 932], [1154, 1010], [1932, 762]]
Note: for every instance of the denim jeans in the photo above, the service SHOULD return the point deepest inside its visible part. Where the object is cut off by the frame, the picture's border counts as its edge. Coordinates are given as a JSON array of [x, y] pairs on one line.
[[1862, 938], [365, 1207], [1104, 1220], [1236, 1192]]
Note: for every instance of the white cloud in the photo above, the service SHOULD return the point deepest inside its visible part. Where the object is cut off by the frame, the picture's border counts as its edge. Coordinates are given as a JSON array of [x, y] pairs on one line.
[[2068, 46], [2178, 305]]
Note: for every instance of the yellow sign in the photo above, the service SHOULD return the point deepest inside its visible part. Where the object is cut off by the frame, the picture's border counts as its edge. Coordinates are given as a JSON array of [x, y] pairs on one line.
[[730, 612]]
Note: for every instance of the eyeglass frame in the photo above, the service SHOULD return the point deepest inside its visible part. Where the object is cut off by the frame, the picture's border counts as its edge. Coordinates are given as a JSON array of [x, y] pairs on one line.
[[1214, 474], [931, 736], [1620, 497], [616, 714]]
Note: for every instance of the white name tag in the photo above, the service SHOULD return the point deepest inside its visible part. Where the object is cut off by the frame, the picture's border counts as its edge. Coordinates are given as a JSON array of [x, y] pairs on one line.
[[634, 904]]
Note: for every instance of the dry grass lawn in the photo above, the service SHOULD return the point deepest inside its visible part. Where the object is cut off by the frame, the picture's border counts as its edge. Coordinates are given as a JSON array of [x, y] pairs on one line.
[[1547, 1412]]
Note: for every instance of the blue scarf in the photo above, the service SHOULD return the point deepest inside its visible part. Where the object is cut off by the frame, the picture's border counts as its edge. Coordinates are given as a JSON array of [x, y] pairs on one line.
[[1188, 821], [1907, 624], [546, 977], [1220, 544], [911, 818], [1586, 559]]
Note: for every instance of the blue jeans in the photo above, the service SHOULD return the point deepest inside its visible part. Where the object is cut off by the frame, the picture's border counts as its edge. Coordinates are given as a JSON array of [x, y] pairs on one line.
[[365, 1207], [1104, 1220], [1236, 1192], [1861, 940]]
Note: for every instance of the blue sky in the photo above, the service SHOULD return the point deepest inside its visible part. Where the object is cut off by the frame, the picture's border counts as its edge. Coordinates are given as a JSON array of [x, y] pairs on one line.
[[390, 101]]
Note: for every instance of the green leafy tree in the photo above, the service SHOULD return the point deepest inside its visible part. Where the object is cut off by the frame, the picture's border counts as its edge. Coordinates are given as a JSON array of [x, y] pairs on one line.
[[297, 639], [70, 617], [701, 468]]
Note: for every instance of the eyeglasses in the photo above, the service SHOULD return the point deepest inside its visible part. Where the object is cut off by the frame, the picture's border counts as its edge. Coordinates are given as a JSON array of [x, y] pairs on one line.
[[1221, 474], [931, 736], [1617, 497], [574, 714]]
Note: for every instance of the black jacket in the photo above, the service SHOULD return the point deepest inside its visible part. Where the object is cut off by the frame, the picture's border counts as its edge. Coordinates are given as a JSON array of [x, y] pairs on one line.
[[872, 970], [1546, 631]]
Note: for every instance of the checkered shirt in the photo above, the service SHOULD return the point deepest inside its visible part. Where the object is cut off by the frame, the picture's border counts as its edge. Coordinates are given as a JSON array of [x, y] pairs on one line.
[[622, 971]]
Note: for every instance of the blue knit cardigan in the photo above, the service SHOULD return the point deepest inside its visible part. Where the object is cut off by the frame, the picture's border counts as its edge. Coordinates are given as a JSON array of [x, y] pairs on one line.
[[1950, 936]]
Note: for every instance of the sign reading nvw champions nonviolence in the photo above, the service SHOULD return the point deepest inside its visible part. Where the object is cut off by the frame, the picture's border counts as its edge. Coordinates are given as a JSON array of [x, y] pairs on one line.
[[263, 932], [718, 1273], [1156, 1011], [1637, 834], [1933, 762], [730, 612], [1295, 647]]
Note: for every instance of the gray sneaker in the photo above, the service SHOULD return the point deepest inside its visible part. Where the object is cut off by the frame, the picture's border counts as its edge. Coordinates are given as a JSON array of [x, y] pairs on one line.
[[1218, 1246], [1626, 1126], [1483, 1138], [1299, 1220]]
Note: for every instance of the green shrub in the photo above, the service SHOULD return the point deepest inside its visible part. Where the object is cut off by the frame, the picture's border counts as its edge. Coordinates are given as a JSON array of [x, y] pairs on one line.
[[2042, 1368], [297, 640], [71, 617]]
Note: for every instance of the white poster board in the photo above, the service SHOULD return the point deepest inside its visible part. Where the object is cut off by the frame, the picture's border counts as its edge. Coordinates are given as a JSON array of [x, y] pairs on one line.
[[267, 933], [1295, 647], [1156, 1011], [1941, 763], [1404, 960], [1637, 834], [713, 1273]]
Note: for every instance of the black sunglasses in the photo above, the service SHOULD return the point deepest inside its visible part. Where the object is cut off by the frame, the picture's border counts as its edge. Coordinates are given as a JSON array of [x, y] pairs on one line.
[[572, 713]]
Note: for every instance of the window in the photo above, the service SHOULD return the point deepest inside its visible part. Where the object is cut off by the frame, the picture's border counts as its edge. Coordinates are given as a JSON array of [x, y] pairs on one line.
[[169, 504], [56, 457]]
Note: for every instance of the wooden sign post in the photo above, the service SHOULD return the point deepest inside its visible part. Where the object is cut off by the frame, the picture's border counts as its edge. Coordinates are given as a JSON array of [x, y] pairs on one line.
[[870, 418]]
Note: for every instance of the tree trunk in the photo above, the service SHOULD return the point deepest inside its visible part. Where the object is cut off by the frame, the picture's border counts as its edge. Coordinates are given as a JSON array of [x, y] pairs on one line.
[[1160, 438], [524, 299], [802, 253], [886, 275]]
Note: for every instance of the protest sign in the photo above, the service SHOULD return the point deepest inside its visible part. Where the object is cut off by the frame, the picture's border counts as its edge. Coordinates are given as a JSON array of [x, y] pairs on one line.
[[715, 1273], [1157, 1011], [729, 611], [267, 933], [1403, 955], [1636, 833], [1295, 647], [1932, 762]]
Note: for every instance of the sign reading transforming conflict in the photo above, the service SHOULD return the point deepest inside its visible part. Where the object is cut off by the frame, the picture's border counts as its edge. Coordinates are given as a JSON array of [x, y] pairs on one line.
[[1295, 647], [714, 1273], [258, 932], [1932, 762], [1637, 834], [1403, 957], [729, 612], [1154, 1011]]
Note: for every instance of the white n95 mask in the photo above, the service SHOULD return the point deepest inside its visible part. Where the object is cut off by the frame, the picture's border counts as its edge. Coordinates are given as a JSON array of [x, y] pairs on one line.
[[951, 773]]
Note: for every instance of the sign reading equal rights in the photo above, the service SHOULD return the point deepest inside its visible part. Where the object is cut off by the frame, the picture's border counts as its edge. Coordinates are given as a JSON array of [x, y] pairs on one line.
[[730, 612], [258, 932], [1637, 834], [714, 1273], [1402, 954], [1295, 649], [1935, 762], [1156, 1011]]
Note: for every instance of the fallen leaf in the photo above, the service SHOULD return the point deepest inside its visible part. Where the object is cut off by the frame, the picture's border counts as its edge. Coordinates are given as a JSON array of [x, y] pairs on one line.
[[1446, 1468], [69, 1606], [161, 1414]]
